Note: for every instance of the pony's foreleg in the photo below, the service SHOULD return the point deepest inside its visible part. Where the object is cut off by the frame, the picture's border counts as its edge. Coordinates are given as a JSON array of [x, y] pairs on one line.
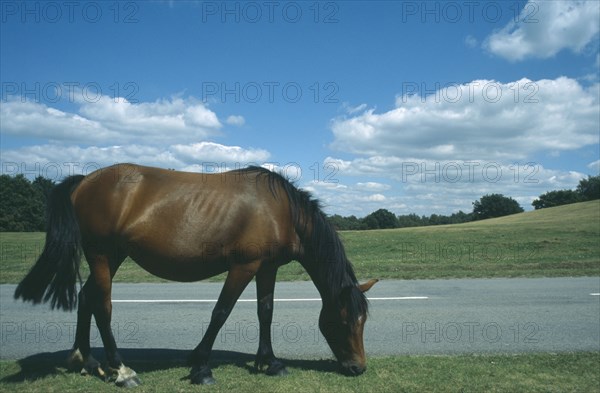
[[81, 358], [265, 287], [237, 279]]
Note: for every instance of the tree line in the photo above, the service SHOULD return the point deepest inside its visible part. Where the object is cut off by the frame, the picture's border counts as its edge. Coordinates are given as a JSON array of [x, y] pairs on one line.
[[23, 207], [23, 203], [587, 190]]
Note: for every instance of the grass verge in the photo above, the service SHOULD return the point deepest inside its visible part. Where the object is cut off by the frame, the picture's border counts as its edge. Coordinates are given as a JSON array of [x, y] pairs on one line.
[[564, 372]]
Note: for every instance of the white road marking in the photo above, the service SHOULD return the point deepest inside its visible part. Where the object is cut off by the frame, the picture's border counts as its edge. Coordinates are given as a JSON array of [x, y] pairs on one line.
[[594, 294], [254, 300], [400, 298]]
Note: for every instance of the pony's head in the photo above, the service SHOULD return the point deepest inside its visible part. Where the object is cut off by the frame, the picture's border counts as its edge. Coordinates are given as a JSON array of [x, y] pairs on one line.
[[342, 323], [345, 307]]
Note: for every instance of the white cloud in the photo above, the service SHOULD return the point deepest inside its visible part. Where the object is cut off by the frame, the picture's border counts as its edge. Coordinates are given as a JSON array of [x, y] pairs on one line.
[[198, 157], [442, 187], [375, 198], [413, 173], [470, 41], [372, 186], [30, 119], [318, 187], [595, 167], [353, 109], [482, 119], [546, 27], [236, 120], [43, 160], [359, 199], [114, 121], [214, 152], [108, 131]]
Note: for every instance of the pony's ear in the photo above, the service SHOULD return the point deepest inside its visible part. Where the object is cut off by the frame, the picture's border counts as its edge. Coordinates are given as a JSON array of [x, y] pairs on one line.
[[366, 286]]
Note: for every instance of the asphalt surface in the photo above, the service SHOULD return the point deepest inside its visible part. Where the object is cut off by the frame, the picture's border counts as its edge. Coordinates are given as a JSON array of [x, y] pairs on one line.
[[439, 317]]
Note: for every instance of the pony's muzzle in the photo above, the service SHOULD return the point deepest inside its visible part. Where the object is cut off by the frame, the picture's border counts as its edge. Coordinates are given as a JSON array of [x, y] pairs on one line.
[[353, 369]]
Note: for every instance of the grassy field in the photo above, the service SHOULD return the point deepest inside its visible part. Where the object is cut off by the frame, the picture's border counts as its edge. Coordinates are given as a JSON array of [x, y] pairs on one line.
[[554, 242], [561, 241], [567, 372]]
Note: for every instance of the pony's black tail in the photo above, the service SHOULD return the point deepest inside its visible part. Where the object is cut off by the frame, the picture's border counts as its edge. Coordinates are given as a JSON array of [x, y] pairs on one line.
[[56, 271]]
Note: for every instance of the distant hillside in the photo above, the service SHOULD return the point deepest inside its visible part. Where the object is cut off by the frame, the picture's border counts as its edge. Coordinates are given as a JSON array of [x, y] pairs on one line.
[[559, 241], [580, 214]]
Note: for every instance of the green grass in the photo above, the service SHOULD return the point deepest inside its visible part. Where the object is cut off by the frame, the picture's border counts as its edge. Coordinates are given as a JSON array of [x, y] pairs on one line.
[[566, 372], [554, 242], [560, 241]]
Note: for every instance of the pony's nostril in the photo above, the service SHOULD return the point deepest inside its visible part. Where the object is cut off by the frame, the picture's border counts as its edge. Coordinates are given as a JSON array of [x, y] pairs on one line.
[[356, 370]]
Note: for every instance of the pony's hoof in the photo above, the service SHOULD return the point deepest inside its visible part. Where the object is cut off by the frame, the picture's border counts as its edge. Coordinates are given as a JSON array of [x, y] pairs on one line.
[[208, 381], [87, 366], [125, 377], [130, 382], [274, 367], [202, 376], [277, 369], [75, 360]]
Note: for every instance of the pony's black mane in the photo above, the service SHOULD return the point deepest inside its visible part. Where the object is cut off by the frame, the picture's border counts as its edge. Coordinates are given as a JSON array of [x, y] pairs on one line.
[[322, 246]]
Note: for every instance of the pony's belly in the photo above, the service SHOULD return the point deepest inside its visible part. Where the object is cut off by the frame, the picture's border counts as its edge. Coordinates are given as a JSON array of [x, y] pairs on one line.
[[179, 269]]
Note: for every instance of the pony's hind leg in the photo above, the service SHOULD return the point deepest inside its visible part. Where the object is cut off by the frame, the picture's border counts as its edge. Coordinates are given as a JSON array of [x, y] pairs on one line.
[[96, 296], [265, 287], [81, 358]]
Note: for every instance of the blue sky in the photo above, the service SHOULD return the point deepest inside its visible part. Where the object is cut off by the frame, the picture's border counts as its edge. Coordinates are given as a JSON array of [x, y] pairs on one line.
[[411, 106]]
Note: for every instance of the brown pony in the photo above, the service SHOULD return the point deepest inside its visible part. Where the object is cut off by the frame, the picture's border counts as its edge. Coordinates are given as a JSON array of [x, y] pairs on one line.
[[188, 227]]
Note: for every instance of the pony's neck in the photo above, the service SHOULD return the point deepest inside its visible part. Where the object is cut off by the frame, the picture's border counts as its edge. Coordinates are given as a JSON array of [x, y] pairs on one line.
[[329, 287]]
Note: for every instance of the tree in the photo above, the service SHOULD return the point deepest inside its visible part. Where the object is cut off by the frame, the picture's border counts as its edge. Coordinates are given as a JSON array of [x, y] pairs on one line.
[[436, 219], [381, 219], [495, 205], [23, 203], [411, 220], [556, 198], [460, 217], [43, 186], [589, 189], [346, 223]]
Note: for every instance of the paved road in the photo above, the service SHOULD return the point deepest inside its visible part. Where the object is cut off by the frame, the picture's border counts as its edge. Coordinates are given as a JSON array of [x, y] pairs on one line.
[[457, 316]]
